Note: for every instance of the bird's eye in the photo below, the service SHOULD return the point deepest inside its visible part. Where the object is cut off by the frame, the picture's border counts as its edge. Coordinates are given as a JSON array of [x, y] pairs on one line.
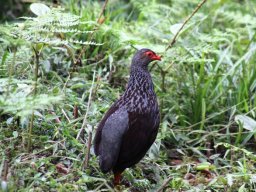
[[150, 54]]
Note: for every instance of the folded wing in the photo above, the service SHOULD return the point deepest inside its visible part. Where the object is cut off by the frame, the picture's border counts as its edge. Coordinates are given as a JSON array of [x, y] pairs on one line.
[[109, 136]]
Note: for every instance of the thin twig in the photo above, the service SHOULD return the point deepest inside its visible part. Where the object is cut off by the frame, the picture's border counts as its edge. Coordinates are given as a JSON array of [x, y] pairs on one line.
[[65, 85], [65, 114], [102, 11], [34, 94], [75, 112], [57, 119], [89, 141], [5, 172], [134, 47], [88, 107], [184, 23], [87, 154], [164, 184]]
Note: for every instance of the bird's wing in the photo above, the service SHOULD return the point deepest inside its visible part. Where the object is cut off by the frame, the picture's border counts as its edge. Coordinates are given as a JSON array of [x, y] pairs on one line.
[[137, 139], [112, 130], [97, 138]]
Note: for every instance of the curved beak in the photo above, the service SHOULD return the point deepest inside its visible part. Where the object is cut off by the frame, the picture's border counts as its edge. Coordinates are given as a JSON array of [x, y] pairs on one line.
[[156, 57]]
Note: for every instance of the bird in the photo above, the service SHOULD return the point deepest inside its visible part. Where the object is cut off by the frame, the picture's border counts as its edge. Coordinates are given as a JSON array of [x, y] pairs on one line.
[[130, 126]]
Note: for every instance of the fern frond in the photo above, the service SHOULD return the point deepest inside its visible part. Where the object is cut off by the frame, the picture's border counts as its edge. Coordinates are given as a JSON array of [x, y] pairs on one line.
[[43, 29], [85, 42], [58, 30]]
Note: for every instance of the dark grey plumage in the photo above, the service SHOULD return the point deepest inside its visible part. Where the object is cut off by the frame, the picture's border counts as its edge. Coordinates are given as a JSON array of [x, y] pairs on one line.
[[130, 126]]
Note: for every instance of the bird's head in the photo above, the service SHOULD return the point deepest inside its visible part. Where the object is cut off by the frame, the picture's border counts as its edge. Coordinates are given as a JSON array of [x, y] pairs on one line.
[[143, 57]]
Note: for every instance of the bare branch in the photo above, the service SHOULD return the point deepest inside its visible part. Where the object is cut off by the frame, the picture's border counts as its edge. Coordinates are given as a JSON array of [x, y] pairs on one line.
[[185, 22], [164, 184]]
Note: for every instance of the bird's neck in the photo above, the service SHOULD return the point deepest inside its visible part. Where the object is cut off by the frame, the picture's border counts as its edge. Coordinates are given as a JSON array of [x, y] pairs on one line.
[[139, 95], [140, 78]]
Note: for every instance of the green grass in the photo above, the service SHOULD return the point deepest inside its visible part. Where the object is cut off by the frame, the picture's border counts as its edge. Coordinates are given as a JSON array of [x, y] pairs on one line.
[[205, 84]]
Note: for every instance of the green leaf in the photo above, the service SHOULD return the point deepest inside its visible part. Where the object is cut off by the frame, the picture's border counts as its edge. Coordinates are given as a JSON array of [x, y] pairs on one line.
[[247, 122], [230, 179], [203, 166], [39, 8], [242, 188], [15, 134], [4, 185]]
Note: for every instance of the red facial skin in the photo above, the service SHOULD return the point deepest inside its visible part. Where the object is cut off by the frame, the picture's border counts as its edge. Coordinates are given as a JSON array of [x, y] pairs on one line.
[[153, 56]]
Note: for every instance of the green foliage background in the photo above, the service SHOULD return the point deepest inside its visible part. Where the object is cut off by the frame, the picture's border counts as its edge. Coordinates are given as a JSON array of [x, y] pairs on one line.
[[64, 62]]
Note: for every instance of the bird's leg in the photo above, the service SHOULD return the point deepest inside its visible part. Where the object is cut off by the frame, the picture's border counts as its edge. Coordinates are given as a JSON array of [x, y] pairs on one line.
[[117, 178]]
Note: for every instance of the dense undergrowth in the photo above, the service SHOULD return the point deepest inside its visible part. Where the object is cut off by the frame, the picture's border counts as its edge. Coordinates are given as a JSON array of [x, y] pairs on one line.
[[62, 69]]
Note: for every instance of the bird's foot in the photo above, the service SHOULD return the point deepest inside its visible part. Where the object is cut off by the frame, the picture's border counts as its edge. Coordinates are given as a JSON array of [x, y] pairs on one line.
[[117, 179]]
